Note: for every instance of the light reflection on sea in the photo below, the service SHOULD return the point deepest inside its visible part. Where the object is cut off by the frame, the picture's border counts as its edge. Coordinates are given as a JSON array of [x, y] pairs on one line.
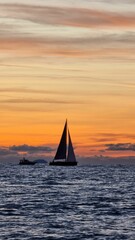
[[84, 202]]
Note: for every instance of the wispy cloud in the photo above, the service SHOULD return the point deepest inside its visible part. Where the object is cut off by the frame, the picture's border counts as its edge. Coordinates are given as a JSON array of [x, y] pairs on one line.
[[4, 151], [65, 16], [27, 90], [102, 140], [120, 147], [19, 149], [32, 100], [111, 137], [15, 152], [88, 47], [116, 135], [37, 31], [30, 149]]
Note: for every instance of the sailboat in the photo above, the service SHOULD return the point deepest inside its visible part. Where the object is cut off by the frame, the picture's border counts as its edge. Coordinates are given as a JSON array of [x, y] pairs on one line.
[[65, 155]]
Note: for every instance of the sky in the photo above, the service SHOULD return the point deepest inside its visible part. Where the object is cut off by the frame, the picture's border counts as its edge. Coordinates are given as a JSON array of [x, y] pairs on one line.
[[70, 60]]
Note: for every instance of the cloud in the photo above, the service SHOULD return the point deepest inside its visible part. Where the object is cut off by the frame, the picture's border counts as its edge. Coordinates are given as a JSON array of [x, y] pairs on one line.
[[101, 160], [14, 153], [65, 16], [117, 2], [32, 31], [27, 90], [120, 147], [4, 151], [17, 149], [30, 101], [30, 149], [88, 47], [103, 139], [116, 136], [106, 138]]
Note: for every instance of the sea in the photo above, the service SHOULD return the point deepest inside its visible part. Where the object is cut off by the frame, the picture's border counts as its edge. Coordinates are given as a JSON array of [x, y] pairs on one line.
[[83, 202]]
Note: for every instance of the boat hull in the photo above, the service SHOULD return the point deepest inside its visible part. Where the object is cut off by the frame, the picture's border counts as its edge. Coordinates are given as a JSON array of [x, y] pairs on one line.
[[26, 162], [60, 163], [30, 163]]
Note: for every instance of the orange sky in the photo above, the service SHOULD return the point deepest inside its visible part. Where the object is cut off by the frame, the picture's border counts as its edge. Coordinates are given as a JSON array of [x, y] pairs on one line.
[[63, 60]]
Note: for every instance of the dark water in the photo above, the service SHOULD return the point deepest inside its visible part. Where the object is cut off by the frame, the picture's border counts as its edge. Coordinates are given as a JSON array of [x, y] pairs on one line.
[[42, 202]]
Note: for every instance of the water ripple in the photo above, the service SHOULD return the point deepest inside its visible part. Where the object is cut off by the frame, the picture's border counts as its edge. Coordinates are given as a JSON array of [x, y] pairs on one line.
[[43, 202]]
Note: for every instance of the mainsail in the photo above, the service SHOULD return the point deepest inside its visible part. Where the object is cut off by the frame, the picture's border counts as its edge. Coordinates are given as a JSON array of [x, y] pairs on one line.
[[61, 151]]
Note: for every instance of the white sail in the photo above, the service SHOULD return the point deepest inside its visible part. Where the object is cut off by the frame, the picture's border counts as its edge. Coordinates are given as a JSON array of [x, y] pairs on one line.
[[71, 155], [62, 148]]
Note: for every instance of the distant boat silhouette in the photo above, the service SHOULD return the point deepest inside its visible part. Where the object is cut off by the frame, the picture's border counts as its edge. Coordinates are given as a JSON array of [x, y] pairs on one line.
[[65, 155], [25, 161]]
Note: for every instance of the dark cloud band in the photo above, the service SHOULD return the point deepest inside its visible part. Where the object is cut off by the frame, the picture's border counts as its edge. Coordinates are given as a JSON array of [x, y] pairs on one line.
[[121, 147]]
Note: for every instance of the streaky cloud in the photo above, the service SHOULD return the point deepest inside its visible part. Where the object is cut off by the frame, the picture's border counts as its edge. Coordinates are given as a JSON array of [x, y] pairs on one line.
[[18, 149], [37, 49], [65, 16], [29, 148], [101, 159], [121, 147], [14, 153], [116, 135], [37, 31], [28, 90], [5, 151], [47, 101]]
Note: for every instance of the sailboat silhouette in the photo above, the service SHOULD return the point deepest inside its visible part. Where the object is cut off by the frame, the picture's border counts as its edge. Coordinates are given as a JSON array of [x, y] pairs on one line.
[[65, 155]]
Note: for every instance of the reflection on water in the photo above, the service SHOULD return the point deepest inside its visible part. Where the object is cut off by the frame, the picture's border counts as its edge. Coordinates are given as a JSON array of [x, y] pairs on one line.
[[44, 202]]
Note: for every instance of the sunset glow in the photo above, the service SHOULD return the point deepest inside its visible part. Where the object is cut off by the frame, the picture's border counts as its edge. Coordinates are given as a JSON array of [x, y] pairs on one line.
[[67, 59]]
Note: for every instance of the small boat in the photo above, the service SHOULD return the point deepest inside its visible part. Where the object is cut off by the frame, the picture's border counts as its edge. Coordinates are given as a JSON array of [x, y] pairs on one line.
[[65, 155], [25, 161]]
